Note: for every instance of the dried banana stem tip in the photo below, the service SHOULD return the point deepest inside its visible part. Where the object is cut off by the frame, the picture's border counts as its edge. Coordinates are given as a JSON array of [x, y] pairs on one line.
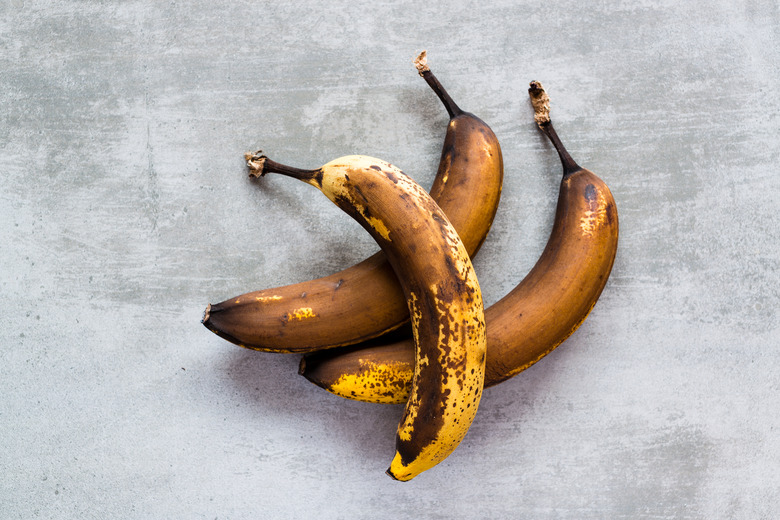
[[256, 163], [541, 103], [421, 62]]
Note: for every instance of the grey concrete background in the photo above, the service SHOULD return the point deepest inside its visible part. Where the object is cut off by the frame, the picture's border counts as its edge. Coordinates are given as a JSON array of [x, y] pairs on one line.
[[125, 207]]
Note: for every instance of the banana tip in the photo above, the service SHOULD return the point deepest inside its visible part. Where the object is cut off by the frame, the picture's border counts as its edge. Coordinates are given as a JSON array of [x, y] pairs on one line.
[[206, 315], [302, 366], [390, 474]]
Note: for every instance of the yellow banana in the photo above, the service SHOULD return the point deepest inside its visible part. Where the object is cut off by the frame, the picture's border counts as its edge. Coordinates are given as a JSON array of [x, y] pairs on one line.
[[365, 300], [538, 315], [441, 290]]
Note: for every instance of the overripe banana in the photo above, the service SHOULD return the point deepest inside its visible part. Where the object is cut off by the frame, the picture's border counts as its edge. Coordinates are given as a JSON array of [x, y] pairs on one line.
[[539, 314], [442, 291], [365, 300]]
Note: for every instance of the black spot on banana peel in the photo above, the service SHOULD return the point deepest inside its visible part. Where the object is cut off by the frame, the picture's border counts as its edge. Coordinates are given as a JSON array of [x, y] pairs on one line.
[[365, 300], [447, 319], [538, 315]]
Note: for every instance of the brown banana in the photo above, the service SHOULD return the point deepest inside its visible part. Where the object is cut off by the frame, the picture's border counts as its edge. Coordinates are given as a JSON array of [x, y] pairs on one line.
[[441, 290], [365, 300], [535, 317]]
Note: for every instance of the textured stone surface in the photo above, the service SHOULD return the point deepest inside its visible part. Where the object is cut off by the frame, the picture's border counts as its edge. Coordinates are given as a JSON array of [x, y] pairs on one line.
[[125, 207]]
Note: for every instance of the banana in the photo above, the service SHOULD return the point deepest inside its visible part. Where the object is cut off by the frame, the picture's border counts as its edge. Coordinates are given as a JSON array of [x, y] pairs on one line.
[[535, 317], [365, 300], [442, 291]]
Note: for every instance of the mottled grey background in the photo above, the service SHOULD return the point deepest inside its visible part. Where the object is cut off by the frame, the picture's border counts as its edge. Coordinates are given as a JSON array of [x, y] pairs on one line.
[[125, 207]]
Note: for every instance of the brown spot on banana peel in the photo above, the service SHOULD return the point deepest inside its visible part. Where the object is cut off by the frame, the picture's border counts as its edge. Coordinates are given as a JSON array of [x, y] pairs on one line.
[[392, 176]]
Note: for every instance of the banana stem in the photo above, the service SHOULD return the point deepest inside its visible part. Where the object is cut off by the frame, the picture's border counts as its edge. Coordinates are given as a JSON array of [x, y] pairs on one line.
[[259, 165], [569, 166], [541, 103], [421, 62]]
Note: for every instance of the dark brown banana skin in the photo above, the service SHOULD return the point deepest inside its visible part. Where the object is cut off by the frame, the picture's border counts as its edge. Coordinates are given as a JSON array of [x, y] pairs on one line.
[[365, 300], [538, 315]]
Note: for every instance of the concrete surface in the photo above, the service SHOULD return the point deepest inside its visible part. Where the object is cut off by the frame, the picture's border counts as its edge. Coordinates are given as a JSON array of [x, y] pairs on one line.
[[125, 208]]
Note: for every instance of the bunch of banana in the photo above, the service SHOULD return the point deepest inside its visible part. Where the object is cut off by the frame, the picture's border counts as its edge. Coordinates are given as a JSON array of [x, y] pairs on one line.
[[423, 275]]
